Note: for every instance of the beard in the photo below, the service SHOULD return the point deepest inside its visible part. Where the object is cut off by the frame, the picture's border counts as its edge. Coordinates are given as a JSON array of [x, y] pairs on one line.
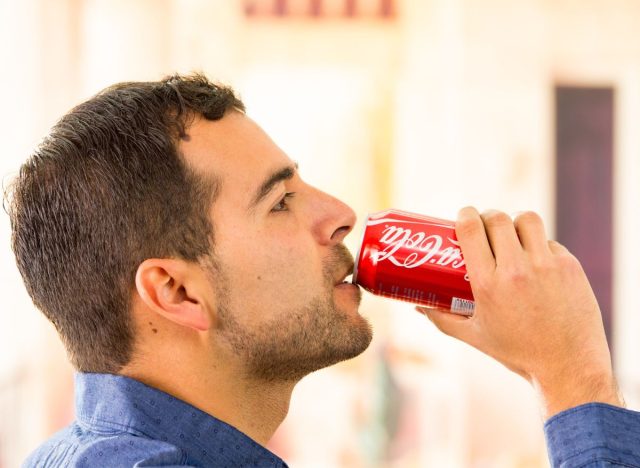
[[300, 342]]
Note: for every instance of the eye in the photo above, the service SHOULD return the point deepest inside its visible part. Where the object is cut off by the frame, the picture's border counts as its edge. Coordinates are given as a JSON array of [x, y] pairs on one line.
[[282, 205]]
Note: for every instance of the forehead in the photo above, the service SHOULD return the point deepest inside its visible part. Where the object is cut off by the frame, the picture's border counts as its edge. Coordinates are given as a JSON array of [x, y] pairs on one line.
[[235, 150]]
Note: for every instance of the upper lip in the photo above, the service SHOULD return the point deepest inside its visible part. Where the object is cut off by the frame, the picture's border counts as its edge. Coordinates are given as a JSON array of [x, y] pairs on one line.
[[348, 272]]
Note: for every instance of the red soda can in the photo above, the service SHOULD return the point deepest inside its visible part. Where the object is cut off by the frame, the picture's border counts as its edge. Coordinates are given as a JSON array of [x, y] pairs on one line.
[[414, 258]]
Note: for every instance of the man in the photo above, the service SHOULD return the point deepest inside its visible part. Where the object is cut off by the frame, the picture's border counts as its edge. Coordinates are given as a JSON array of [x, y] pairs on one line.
[[195, 278], [177, 252]]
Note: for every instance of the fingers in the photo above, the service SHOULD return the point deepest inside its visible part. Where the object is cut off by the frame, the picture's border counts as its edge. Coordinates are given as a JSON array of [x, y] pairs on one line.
[[530, 230], [474, 243], [456, 326], [505, 238], [502, 236]]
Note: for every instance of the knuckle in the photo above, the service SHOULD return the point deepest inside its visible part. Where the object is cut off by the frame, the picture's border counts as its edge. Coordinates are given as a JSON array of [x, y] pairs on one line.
[[563, 262], [567, 261], [494, 219], [518, 276], [542, 264], [528, 217], [466, 227], [557, 248]]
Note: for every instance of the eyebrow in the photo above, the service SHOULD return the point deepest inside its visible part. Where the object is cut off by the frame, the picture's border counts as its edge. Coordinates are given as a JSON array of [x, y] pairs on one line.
[[267, 186]]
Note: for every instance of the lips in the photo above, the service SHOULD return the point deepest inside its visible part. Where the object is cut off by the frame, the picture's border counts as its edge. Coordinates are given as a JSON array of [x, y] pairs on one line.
[[346, 276]]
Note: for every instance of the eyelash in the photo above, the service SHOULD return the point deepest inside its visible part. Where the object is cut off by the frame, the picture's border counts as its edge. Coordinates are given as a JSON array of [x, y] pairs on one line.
[[283, 202]]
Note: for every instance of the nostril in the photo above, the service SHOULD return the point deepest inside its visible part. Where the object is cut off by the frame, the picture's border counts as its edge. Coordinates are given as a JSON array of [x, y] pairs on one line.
[[340, 233]]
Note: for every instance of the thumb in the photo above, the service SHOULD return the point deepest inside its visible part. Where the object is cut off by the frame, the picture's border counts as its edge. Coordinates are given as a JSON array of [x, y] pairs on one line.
[[448, 323]]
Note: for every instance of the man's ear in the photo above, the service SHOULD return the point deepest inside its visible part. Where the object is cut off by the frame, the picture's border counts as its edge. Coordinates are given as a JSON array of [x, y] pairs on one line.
[[176, 290]]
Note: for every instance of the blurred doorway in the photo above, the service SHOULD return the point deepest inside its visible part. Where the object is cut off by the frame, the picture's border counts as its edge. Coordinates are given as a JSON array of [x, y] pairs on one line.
[[584, 179]]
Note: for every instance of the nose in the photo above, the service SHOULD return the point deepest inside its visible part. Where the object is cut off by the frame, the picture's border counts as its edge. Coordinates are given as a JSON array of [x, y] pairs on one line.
[[333, 219]]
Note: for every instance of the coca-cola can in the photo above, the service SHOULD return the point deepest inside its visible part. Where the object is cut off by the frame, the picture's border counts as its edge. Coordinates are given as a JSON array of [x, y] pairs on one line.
[[414, 258]]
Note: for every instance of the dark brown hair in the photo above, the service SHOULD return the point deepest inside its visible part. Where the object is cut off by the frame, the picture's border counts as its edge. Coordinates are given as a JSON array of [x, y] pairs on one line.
[[105, 190]]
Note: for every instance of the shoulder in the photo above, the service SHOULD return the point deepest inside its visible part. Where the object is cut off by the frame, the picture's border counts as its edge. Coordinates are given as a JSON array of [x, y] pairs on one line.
[[73, 447]]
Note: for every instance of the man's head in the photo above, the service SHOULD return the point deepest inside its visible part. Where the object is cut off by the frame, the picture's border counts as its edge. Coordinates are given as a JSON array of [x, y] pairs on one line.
[[162, 201]]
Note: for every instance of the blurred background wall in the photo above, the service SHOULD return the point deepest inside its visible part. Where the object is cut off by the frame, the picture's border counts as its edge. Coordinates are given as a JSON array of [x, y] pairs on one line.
[[425, 105]]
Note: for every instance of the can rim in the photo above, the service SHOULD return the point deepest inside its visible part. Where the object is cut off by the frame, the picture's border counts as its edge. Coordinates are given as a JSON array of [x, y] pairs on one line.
[[357, 258]]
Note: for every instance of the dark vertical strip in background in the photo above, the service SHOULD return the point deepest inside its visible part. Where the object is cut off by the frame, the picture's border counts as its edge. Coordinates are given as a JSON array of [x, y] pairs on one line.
[[584, 185], [350, 8], [315, 8], [280, 8], [250, 7], [386, 8]]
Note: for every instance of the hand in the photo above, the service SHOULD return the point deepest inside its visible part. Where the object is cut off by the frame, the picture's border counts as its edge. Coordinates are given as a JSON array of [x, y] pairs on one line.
[[535, 310]]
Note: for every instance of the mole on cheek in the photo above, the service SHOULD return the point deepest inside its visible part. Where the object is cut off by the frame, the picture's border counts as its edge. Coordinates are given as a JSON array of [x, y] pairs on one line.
[[155, 330], [259, 277]]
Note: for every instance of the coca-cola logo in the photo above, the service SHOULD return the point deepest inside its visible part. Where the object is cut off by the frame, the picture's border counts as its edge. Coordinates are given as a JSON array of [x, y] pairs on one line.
[[425, 248]]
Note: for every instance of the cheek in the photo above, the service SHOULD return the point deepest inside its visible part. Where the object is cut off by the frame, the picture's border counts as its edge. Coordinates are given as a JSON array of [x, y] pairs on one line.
[[277, 274]]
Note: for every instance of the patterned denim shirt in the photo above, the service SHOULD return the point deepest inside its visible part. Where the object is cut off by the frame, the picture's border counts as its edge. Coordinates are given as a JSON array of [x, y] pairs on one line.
[[124, 423], [594, 435]]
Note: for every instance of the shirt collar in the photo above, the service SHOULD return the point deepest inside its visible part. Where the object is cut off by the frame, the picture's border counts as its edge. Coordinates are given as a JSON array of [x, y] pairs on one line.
[[114, 403]]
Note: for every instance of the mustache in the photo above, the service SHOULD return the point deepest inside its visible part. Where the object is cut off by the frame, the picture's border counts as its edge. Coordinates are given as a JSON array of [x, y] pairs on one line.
[[338, 264]]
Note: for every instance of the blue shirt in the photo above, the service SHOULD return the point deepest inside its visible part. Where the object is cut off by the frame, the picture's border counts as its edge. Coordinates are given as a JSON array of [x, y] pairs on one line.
[[594, 435], [124, 423]]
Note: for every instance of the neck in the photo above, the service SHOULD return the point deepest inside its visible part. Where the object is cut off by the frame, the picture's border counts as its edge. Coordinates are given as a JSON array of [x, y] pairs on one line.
[[256, 408]]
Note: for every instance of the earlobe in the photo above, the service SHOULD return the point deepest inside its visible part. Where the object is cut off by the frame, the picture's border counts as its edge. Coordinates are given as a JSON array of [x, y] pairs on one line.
[[168, 288]]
